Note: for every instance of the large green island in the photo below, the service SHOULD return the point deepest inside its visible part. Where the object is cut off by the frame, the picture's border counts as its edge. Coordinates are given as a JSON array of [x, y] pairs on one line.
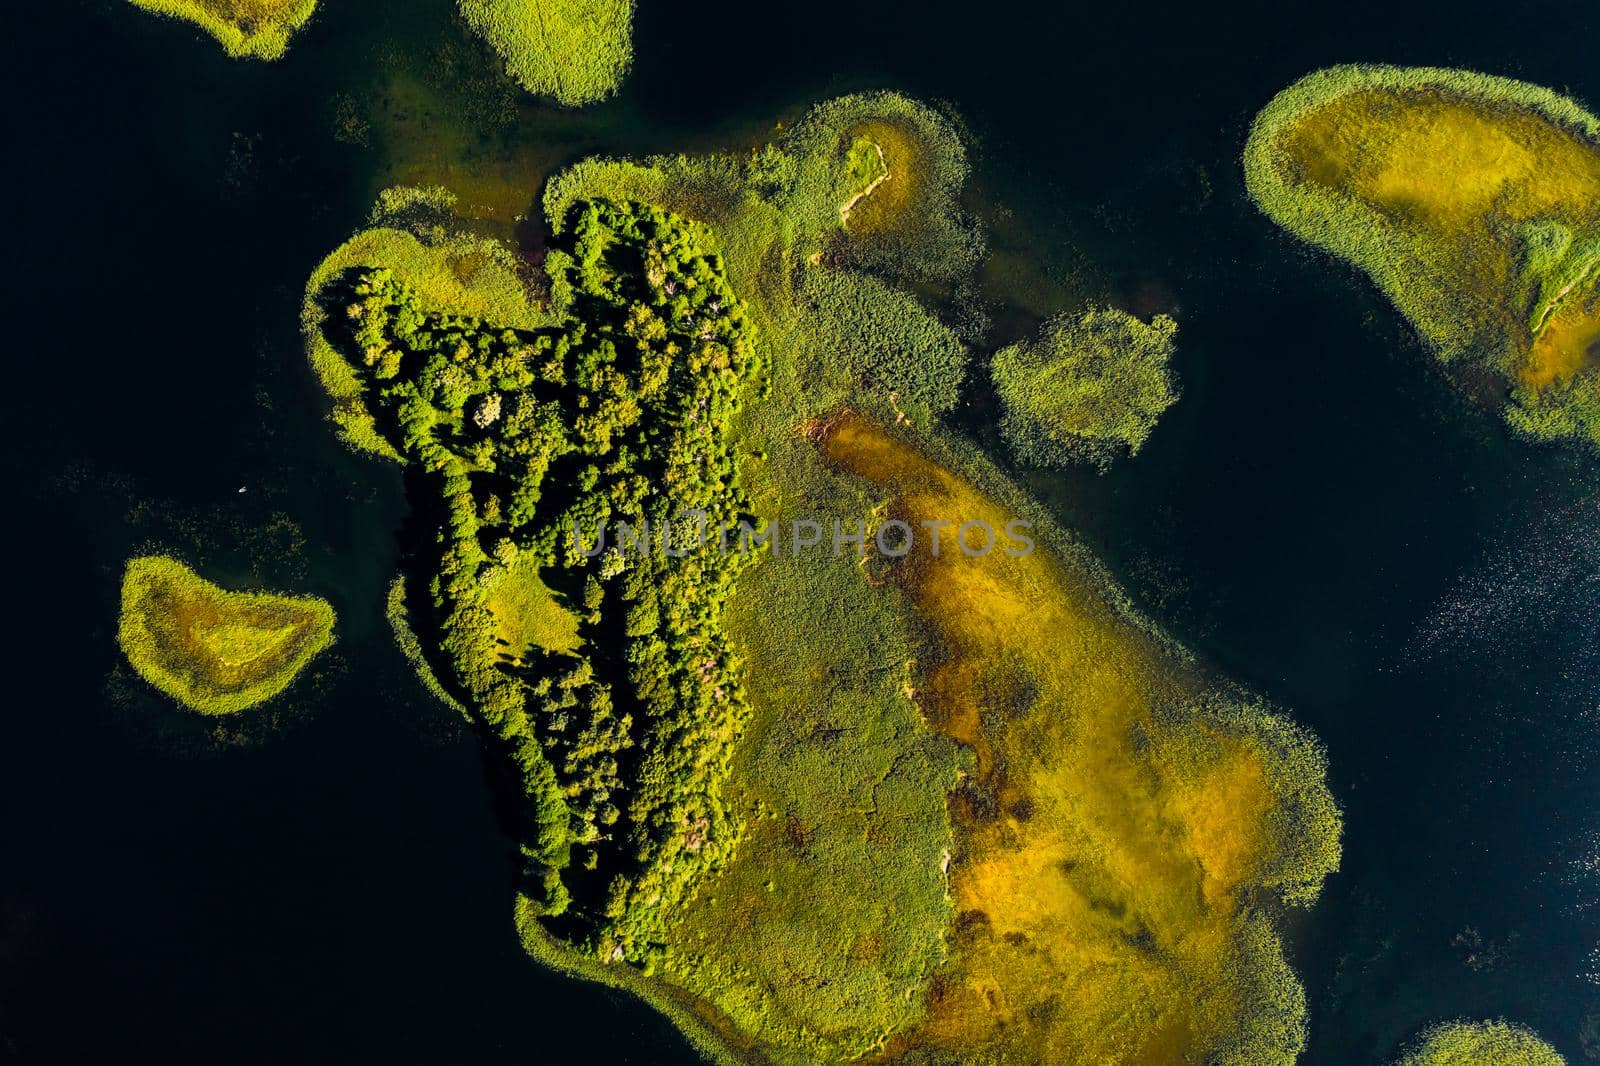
[[215, 651], [836, 795]]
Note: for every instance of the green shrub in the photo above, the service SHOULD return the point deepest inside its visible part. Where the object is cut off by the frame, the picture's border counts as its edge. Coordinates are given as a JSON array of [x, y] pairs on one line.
[[1088, 387]]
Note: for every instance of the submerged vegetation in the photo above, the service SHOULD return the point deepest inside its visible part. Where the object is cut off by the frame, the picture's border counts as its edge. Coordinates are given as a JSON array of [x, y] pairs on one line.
[[1088, 387], [826, 804], [575, 51], [215, 651], [1473, 202], [1480, 1043], [258, 28]]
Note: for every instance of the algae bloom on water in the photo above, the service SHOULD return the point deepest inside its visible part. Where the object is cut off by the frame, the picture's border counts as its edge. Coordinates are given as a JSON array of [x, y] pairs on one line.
[[212, 650], [254, 28]]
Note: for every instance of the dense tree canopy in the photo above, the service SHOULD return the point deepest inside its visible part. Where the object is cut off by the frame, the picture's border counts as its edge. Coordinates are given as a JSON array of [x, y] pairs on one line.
[[531, 436]]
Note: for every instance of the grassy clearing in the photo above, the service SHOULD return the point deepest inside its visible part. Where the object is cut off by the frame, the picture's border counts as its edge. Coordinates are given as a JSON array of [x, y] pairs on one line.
[[867, 166], [255, 28], [1088, 388], [528, 616], [575, 51], [1479, 1043], [1472, 201], [214, 651]]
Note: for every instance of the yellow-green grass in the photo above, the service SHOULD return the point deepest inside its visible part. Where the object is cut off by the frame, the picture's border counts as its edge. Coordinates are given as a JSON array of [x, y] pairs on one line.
[[1089, 387], [898, 151], [1472, 201], [215, 651], [575, 51], [1121, 817], [786, 196], [898, 191], [528, 615], [1492, 1043], [255, 28]]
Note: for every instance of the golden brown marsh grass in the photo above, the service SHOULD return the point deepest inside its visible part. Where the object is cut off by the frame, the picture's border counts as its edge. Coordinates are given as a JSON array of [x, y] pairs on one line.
[[1113, 832]]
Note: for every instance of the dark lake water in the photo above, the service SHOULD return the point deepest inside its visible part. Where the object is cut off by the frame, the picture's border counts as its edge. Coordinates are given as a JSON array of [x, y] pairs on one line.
[[1321, 518]]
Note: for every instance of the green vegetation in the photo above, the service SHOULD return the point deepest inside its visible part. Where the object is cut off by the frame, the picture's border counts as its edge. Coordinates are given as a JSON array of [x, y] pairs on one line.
[[576, 51], [883, 339], [898, 193], [405, 636], [820, 806], [1472, 201], [214, 651], [528, 615], [259, 28], [1087, 388], [529, 436], [446, 267], [1481, 1044], [866, 167]]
